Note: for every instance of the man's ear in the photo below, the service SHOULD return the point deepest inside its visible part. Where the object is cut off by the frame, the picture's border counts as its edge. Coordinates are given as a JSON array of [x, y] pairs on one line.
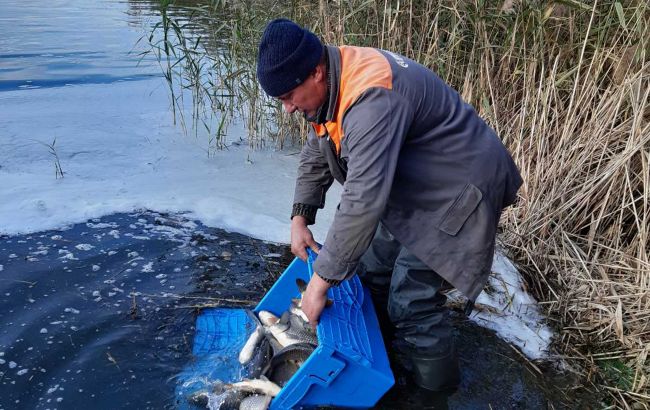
[[319, 73]]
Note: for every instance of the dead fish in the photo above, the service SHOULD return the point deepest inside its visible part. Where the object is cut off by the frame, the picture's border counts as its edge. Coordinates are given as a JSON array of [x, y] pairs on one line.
[[255, 402], [288, 332], [247, 351], [258, 349], [296, 310], [286, 362], [218, 397], [267, 318], [298, 326], [257, 386]]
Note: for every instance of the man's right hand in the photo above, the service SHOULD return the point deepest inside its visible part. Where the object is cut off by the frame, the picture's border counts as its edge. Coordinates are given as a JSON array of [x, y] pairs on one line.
[[301, 237]]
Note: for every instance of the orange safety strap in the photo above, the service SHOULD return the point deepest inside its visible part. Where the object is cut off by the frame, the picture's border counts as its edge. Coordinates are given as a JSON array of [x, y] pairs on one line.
[[361, 68]]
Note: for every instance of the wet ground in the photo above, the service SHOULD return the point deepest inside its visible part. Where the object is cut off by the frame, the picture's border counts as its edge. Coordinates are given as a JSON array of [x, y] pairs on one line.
[[101, 314]]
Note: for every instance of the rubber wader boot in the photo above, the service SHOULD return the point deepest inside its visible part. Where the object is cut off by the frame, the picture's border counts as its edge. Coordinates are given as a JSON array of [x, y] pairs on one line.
[[380, 300], [436, 373]]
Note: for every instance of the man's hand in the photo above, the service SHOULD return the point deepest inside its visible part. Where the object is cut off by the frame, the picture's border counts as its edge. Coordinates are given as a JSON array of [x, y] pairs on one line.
[[301, 238], [314, 299]]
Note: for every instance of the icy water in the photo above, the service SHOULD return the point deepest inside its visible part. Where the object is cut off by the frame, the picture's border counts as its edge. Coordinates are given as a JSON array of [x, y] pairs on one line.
[[101, 314]]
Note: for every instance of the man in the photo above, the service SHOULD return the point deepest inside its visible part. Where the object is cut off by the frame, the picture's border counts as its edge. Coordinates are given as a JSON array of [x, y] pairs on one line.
[[424, 182]]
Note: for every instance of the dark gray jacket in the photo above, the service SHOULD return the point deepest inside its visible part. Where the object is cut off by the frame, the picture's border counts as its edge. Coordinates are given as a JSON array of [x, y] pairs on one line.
[[422, 161]]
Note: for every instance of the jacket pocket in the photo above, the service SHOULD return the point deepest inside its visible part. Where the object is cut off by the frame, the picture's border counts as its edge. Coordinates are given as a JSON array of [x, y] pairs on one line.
[[460, 210]]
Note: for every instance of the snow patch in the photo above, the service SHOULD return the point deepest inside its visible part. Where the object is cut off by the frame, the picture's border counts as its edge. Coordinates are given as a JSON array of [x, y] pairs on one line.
[[505, 307]]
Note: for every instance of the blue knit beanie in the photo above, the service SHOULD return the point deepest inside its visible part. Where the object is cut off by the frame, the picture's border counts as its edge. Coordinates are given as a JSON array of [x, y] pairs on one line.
[[288, 53]]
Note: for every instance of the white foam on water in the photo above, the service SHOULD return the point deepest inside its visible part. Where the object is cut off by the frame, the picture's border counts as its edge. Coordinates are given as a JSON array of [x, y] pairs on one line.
[[84, 246]]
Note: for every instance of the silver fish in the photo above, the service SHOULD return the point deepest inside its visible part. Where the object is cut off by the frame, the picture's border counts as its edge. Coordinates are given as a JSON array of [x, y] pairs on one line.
[[246, 353], [255, 402], [217, 397], [257, 386], [267, 318], [285, 363], [297, 310], [291, 329]]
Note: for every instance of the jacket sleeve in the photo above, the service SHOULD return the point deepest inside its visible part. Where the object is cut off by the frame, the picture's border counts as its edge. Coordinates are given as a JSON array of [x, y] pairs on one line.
[[375, 128], [313, 180]]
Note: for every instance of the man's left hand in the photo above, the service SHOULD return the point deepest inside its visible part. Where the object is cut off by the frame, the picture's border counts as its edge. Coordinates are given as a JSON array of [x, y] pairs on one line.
[[314, 299]]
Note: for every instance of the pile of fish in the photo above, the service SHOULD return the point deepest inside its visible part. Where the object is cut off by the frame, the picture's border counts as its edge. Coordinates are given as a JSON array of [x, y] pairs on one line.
[[272, 354]]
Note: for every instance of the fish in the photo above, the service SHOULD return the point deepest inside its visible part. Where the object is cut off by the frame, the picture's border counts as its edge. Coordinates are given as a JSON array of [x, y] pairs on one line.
[[291, 330], [286, 330], [267, 318], [255, 402], [232, 396], [296, 309], [247, 351], [285, 363], [217, 397], [261, 357], [299, 312], [256, 386], [224, 397]]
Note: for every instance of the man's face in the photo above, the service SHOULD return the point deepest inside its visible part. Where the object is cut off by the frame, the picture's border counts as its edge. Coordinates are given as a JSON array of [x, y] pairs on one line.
[[308, 96]]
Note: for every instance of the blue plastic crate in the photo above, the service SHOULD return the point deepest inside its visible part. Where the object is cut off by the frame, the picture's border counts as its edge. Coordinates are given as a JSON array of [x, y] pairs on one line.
[[349, 368]]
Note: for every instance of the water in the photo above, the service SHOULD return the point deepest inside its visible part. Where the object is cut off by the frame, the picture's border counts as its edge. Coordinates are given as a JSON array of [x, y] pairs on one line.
[[103, 312], [67, 43]]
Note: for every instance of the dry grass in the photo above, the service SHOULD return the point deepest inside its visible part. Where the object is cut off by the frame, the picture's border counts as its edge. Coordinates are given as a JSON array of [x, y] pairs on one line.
[[566, 85]]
